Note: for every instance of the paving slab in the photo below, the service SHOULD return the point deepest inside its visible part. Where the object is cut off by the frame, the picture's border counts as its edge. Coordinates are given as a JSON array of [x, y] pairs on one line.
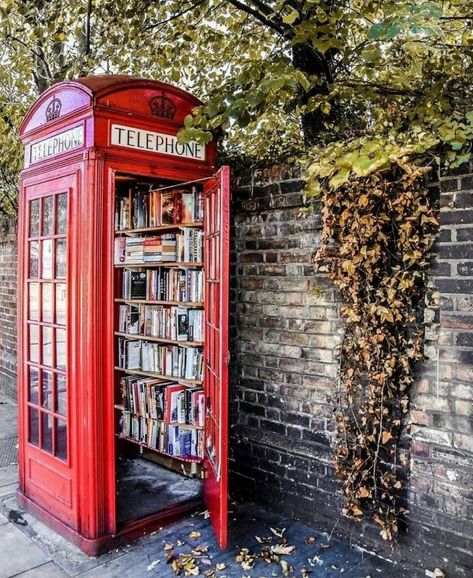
[[322, 557], [67, 556], [17, 553], [8, 475], [48, 570], [8, 419], [3, 520]]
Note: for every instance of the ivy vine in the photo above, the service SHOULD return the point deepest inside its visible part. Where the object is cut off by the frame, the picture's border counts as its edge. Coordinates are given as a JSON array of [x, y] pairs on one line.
[[377, 240]]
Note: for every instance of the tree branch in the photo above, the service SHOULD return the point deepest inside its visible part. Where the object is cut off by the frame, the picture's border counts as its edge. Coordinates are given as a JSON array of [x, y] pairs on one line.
[[174, 16], [259, 16]]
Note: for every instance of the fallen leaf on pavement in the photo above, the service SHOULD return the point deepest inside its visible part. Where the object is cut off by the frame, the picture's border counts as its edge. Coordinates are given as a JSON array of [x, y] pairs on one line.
[[282, 550], [278, 531], [310, 540], [153, 565]]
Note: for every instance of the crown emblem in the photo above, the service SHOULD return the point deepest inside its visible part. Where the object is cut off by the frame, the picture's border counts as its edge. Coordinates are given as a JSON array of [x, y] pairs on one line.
[[54, 109], [162, 106]]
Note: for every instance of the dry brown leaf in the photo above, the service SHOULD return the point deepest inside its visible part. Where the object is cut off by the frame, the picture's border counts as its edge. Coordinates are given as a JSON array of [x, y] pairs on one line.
[[363, 492], [310, 540], [282, 550], [168, 547], [264, 539], [194, 534], [279, 532], [386, 436], [220, 566]]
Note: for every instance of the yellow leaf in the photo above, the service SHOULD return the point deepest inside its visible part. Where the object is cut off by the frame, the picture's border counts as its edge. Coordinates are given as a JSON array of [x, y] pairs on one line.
[[386, 437]]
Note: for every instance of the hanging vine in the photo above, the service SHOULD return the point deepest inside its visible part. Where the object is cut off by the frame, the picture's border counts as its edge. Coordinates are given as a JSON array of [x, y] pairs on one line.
[[378, 233]]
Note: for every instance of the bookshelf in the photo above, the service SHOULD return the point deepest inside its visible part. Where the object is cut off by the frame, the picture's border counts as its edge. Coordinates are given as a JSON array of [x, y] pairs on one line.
[[159, 228], [196, 305], [160, 339], [153, 332]]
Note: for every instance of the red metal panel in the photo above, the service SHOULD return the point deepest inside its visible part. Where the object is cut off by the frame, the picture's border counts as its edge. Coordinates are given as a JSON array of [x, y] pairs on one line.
[[217, 234], [48, 463]]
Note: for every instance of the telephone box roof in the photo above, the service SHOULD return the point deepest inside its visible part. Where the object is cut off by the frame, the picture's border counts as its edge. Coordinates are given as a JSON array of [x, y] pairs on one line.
[[116, 91]]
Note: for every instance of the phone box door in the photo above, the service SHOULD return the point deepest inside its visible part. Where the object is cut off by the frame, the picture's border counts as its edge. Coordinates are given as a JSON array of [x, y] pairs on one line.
[[47, 464], [217, 235]]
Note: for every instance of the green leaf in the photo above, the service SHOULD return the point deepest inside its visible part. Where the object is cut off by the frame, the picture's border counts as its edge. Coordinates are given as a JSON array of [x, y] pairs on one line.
[[291, 17], [377, 31]]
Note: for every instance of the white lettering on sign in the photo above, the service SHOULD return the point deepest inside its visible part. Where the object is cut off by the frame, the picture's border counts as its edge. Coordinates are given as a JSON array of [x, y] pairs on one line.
[[135, 138], [57, 144]]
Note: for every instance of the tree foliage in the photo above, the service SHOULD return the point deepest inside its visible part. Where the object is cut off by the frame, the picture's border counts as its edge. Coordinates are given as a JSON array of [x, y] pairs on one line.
[[350, 85], [363, 93]]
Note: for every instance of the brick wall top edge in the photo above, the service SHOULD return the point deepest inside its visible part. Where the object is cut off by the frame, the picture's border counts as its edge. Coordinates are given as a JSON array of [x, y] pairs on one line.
[[259, 176]]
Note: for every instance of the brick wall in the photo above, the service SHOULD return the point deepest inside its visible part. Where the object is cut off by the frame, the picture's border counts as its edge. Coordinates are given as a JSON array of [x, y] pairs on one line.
[[285, 330], [8, 298]]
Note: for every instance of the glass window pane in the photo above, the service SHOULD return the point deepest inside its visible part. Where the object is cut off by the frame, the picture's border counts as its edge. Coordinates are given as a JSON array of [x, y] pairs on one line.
[[61, 258], [47, 302], [47, 346], [61, 394], [47, 422], [34, 342], [34, 218], [47, 390], [47, 259], [61, 215], [34, 259], [33, 385], [61, 303], [47, 216], [33, 430], [33, 314], [61, 439], [61, 349]]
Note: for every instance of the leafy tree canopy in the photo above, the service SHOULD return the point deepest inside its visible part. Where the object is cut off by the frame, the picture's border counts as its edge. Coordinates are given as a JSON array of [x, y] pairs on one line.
[[348, 86]]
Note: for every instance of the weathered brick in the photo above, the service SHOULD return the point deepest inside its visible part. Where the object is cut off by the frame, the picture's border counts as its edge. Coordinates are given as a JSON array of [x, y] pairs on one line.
[[464, 234]]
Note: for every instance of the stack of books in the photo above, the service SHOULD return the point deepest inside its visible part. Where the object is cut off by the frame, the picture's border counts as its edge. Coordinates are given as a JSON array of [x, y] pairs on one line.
[[175, 285], [137, 250], [166, 438], [168, 360], [134, 284], [122, 213], [141, 207], [163, 400], [175, 323], [190, 246]]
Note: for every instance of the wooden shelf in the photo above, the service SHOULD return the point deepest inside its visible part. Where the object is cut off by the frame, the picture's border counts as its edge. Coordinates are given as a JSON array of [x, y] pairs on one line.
[[159, 339], [121, 407], [153, 264], [180, 380], [191, 304], [143, 445], [159, 228]]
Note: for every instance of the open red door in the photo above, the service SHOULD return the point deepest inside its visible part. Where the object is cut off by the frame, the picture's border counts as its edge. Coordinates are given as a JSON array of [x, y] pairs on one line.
[[217, 236]]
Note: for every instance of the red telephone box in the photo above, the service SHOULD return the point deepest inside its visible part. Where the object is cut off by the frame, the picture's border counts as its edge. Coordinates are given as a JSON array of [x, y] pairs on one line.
[[123, 313]]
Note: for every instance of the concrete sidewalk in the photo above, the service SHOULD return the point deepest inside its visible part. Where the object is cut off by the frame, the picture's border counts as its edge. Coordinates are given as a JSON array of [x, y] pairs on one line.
[[34, 551]]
